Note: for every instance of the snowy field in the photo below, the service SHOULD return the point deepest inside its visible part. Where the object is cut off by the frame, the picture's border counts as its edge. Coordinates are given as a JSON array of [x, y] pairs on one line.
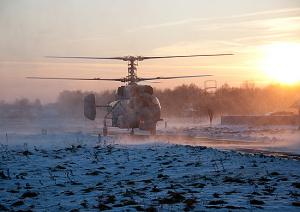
[[80, 172], [68, 168], [275, 138]]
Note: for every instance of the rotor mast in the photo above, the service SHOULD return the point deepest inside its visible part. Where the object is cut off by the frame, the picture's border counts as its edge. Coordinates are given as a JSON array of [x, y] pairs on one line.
[[132, 69]]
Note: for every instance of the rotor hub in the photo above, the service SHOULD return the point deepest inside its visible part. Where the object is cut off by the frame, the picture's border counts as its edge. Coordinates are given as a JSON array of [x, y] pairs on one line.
[[132, 68]]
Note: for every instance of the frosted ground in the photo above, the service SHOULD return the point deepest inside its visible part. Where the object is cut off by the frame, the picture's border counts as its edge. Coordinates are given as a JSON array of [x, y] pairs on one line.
[[74, 170], [281, 139]]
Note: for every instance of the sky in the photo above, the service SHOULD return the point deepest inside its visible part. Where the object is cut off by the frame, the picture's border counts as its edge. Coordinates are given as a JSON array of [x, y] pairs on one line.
[[33, 29]]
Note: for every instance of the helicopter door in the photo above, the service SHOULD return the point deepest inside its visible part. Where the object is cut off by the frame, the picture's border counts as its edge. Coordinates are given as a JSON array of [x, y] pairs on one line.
[[90, 107]]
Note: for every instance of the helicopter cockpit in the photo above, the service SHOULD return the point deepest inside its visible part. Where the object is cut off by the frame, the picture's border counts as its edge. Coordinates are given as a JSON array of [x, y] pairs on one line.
[[126, 92]]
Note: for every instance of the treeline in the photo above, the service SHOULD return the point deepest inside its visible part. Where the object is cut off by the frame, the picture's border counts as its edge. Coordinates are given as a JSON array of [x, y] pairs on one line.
[[245, 100], [21, 108], [185, 100], [69, 104]]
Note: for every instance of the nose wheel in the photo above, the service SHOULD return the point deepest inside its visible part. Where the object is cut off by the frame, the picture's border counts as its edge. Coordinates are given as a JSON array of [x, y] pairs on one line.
[[105, 130], [153, 131], [132, 131]]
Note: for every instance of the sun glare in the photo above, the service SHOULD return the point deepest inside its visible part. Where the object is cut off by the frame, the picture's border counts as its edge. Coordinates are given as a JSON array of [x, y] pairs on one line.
[[281, 62]]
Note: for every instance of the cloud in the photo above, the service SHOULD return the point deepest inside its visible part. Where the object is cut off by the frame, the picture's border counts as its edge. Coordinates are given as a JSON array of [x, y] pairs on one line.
[[238, 17], [240, 36], [286, 11], [229, 33]]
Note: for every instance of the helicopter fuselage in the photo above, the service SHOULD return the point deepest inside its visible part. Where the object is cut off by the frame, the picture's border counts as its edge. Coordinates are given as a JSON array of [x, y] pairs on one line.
[[135, 107]]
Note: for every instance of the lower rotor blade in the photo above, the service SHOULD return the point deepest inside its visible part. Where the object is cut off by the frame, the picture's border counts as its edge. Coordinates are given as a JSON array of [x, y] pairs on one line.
[[90, 58], [159, 78], [63, 78], [195, 55]]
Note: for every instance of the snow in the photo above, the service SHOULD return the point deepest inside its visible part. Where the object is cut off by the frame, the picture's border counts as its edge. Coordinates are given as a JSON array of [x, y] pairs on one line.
[[266, 138], [78, 171]]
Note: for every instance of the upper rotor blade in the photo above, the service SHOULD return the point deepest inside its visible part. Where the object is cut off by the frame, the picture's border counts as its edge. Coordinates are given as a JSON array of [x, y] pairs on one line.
[[159, 78], [195, 55], [140, 58], [151, 82], [91, 58], [64, 78]]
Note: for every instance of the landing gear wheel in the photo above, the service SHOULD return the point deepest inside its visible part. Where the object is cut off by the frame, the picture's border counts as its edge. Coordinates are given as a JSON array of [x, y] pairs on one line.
[[153, 131], [105, 131], [132, 131]]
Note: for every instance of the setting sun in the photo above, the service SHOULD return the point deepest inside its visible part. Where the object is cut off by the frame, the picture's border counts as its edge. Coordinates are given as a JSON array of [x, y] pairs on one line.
[[281, 62]]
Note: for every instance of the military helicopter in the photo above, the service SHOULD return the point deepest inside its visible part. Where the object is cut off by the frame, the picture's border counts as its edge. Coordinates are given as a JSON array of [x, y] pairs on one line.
[[135, 105]]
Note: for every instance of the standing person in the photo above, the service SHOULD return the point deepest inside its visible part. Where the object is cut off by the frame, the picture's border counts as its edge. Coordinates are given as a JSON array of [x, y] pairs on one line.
[[211, 115], [299, 118], [297, 106]]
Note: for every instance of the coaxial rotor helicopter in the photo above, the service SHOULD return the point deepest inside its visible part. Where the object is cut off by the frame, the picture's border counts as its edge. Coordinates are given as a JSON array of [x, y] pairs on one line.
[[135, 105]]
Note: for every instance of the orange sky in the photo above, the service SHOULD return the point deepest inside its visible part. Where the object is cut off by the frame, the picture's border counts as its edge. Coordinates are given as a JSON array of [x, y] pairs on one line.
[[255, 31]]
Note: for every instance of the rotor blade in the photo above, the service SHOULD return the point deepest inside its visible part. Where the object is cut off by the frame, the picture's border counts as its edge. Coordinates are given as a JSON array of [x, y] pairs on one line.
[[151, 82], [161, 78], [90, 58], [195, 55], [63, 78], [154, 82]]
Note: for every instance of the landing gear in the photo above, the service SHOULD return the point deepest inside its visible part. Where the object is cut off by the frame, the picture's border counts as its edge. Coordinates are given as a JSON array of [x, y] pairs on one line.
[[132, 131], [105, 130], [153, 131]]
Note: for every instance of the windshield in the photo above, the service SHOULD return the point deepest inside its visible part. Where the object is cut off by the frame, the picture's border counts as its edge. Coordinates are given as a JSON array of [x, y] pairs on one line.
[[113, 104], [156, 101]]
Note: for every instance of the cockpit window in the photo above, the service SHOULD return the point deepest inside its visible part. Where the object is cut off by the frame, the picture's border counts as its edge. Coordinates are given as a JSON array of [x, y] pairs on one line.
[[156, 101], [113, 104]]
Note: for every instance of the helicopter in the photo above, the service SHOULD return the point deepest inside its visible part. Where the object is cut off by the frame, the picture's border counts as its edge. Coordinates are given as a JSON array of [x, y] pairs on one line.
[[135, 105]]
